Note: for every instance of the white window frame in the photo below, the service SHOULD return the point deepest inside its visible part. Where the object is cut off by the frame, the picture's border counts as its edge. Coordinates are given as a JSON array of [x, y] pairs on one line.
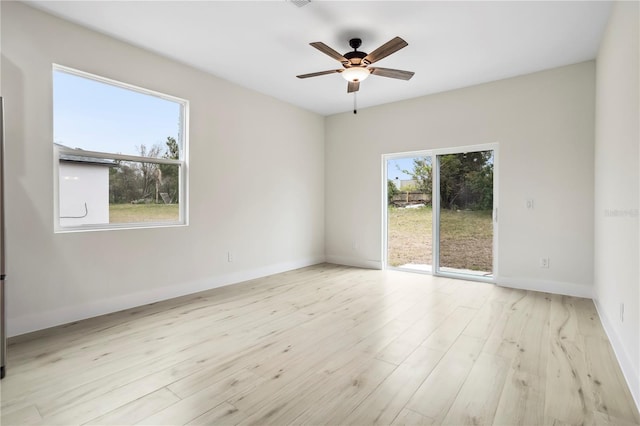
[[183, 183]]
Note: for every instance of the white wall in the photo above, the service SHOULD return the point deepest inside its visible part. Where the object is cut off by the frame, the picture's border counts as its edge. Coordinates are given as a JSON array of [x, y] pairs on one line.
[[617, 186], [80, 184], [543, 123], [272, 217]]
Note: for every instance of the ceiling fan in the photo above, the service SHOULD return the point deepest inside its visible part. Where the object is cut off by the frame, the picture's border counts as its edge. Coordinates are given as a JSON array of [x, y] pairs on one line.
[[356, 63]]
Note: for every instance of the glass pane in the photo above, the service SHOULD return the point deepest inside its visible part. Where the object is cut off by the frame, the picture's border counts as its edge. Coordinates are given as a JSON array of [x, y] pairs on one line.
[[466, 213], [96, 116], [97, 191], [409, 231]]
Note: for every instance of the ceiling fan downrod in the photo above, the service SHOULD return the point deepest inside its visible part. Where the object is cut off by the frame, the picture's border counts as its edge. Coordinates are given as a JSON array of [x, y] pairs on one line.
[[356, 57]]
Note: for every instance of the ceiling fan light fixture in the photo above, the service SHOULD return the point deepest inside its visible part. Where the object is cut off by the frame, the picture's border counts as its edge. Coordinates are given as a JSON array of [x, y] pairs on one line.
[[355, 74]]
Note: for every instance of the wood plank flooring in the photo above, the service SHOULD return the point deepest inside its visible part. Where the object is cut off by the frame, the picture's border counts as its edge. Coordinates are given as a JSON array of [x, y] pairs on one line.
[[326, 345]]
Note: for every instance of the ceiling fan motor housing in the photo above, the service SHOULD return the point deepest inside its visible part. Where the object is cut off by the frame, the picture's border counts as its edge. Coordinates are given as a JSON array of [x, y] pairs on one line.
[[355, 57]]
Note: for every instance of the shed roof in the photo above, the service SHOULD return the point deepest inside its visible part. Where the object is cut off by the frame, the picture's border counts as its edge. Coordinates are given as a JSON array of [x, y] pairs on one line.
[[82, 159]]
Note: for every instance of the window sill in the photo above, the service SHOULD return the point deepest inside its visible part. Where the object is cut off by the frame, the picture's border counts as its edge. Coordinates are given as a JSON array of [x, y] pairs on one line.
[[119, 227]]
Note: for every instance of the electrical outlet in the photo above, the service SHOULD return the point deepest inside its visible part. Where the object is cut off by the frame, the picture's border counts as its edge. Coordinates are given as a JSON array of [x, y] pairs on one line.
[[530, 204], [544, 262], [230, 256], [622, 312], [355, 244]]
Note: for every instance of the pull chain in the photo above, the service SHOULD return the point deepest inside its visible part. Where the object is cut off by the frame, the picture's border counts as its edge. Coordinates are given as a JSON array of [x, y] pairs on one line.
[[355, 104]]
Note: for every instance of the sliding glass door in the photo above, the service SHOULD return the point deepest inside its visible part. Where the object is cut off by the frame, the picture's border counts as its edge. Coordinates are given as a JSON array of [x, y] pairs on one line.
[[465, 213], [440, 212], [409, 213]]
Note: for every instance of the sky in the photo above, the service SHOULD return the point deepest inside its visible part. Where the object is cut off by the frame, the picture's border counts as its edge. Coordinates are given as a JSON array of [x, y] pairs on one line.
[[395, 166], [95, 116]]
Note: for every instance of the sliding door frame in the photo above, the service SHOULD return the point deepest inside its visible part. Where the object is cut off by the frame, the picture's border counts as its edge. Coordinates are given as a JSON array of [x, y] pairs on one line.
[[385, 208], [435, 203], [435, 208]]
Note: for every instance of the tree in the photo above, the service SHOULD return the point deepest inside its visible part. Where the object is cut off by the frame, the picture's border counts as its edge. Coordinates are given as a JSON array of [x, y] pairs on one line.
[[466, 179], [131, 181], [421, 174], [148, 171], [169, 173], [123, 182], [392, 191], [481, 182]]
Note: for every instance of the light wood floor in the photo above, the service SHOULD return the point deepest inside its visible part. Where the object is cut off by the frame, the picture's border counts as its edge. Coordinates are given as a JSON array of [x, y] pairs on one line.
[[326, 345]]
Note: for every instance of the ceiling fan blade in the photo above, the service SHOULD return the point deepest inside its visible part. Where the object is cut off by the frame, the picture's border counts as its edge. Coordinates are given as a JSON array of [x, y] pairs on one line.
[[391, 73], [353, 86], [316, 74], [329, 51], [385, 50]]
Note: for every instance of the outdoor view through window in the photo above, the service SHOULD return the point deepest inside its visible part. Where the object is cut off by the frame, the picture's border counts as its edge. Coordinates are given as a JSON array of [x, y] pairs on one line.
[[120, 154]]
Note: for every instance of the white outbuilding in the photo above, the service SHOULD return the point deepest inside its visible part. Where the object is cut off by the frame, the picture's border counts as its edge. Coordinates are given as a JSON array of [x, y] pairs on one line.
[[84, 190]]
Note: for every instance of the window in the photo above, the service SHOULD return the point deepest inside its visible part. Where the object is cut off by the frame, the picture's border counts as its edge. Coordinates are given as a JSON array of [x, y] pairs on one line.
[[120, 154]]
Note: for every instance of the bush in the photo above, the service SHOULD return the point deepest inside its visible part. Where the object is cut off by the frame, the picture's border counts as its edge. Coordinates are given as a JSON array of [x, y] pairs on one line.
[[392, 190]]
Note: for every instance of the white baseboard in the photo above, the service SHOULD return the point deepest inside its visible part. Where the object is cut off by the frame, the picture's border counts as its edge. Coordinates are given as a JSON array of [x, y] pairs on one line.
[[555, 287], [352, 261], [631, 375], [42, 320]]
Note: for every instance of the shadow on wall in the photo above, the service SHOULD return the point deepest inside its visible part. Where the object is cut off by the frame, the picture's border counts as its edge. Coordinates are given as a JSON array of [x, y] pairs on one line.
[[27, 215]]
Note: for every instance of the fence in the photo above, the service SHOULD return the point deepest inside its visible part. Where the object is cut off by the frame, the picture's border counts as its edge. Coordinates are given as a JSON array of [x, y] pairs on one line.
[[409, 198]]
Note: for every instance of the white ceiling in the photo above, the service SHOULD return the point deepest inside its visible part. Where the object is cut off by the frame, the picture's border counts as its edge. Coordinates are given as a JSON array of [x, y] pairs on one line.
[[263, 45]]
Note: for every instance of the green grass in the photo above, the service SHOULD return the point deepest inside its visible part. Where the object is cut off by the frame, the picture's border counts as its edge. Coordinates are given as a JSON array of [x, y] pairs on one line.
[[466, 240], [409, 236], [136, 213]]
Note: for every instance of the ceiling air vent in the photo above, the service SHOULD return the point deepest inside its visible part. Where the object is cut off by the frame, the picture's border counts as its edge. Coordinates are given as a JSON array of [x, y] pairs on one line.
[[300, 3]]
